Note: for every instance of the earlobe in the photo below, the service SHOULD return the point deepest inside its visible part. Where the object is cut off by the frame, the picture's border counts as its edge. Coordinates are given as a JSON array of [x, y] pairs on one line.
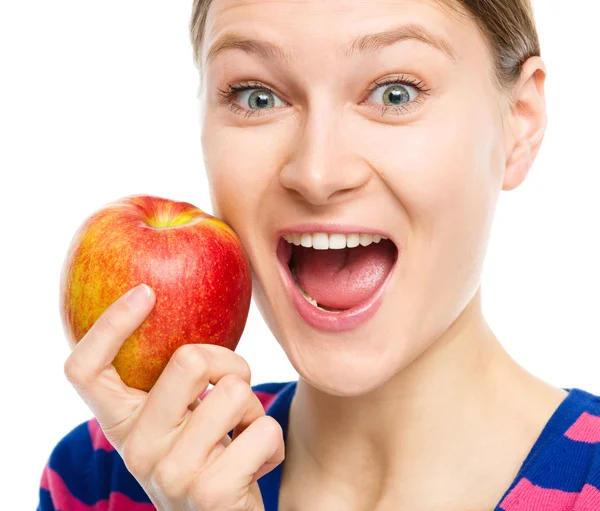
[[517, 167], [527, 122]]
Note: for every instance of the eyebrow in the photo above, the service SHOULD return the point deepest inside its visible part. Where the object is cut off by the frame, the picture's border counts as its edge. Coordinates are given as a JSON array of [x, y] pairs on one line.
[[363, 44]]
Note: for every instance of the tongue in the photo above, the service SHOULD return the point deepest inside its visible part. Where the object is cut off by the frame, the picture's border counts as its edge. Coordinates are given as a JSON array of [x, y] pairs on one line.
[[343, 278]]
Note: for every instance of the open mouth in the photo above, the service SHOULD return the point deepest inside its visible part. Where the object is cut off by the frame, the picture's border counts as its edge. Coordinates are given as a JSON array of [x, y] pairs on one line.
[[337, 273]]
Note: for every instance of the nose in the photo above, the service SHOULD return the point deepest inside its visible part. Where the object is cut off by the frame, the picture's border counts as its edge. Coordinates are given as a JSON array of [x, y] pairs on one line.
[[324, 167]]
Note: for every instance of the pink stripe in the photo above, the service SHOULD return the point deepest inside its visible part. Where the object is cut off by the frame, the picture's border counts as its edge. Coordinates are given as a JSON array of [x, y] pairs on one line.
[[99, 440], [44, 483], [266, 398], [585, 429], [526, 496], [589, 500], [63, 499]]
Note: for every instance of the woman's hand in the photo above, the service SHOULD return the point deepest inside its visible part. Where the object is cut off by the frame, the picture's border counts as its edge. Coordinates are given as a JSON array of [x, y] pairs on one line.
[[175, 445]]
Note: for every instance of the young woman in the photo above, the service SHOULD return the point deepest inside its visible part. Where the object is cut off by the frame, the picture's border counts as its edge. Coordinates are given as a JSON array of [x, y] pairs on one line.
[[358, 149]]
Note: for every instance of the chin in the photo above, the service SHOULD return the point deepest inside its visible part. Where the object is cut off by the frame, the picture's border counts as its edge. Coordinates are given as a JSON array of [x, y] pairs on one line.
[[351, 367]]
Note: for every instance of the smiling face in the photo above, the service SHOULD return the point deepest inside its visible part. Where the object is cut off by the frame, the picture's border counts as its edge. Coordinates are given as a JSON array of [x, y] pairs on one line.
[[401, 133]]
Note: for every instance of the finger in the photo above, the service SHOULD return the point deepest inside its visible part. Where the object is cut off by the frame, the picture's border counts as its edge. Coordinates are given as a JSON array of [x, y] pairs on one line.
[[254, 453], [89, 367], [187, 375], [231, 404], [226, 440]]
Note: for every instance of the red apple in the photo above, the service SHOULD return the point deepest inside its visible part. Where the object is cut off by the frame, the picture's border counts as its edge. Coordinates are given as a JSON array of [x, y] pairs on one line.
[[194, 262]]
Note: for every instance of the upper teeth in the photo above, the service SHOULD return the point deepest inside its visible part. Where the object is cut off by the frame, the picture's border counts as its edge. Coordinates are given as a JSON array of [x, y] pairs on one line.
[[324, 241]]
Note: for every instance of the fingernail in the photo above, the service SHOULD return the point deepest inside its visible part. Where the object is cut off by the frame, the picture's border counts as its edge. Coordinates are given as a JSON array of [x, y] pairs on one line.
[[138, 296]]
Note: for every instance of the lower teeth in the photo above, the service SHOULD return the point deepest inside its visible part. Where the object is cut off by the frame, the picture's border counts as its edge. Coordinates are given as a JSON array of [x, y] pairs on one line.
[[307, 297]]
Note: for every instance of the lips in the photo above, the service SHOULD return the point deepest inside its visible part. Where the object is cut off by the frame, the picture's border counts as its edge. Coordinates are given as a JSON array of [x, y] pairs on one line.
[[321, 319]]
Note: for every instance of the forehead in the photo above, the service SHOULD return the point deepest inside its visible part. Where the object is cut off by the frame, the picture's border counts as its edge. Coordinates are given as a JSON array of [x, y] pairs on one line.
[[318, 24]]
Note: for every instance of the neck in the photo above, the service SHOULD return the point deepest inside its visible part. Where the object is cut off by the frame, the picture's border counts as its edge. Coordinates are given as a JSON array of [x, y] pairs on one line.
[[429, 431]]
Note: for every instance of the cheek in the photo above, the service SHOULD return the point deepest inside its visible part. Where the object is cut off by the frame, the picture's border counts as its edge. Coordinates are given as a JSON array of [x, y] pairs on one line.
[[441, 168], [238, 164]]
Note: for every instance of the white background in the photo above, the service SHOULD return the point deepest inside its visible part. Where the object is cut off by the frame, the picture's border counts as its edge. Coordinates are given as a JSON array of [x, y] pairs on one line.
[[98, 101]]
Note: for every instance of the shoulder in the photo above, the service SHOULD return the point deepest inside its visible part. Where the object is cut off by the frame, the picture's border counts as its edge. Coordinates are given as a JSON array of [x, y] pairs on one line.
[[564, 466], [576, 452], [584, 439]]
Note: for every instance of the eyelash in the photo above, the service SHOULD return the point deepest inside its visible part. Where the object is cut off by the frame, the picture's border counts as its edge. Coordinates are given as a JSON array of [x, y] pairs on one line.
[[419, 85]]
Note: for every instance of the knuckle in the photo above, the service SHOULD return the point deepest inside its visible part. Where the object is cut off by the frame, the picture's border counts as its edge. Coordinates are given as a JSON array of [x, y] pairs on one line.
[[270, 427], [191, 357], [221, 352], [209, 494], [75, 372], [168, 477], [273, 434], [246, 371], [235, 387], [135, 462]]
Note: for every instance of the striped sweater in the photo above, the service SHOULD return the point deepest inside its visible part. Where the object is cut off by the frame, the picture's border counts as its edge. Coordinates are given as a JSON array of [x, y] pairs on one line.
[[560, 473]]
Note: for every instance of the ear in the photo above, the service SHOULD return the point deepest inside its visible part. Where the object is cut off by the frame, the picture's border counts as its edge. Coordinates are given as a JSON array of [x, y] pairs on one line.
[[527, 122]]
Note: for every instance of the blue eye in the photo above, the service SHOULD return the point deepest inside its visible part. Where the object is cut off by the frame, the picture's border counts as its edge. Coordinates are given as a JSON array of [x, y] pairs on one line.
[[395, 95], [398, 93], [259, 99]]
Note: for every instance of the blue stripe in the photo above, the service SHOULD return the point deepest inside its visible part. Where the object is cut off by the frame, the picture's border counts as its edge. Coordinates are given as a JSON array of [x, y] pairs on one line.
[[270, 483], [45, 503]]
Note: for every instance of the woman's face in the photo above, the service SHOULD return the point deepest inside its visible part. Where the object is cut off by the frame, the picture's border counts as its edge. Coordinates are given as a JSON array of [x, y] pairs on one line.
[[421, 159]]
